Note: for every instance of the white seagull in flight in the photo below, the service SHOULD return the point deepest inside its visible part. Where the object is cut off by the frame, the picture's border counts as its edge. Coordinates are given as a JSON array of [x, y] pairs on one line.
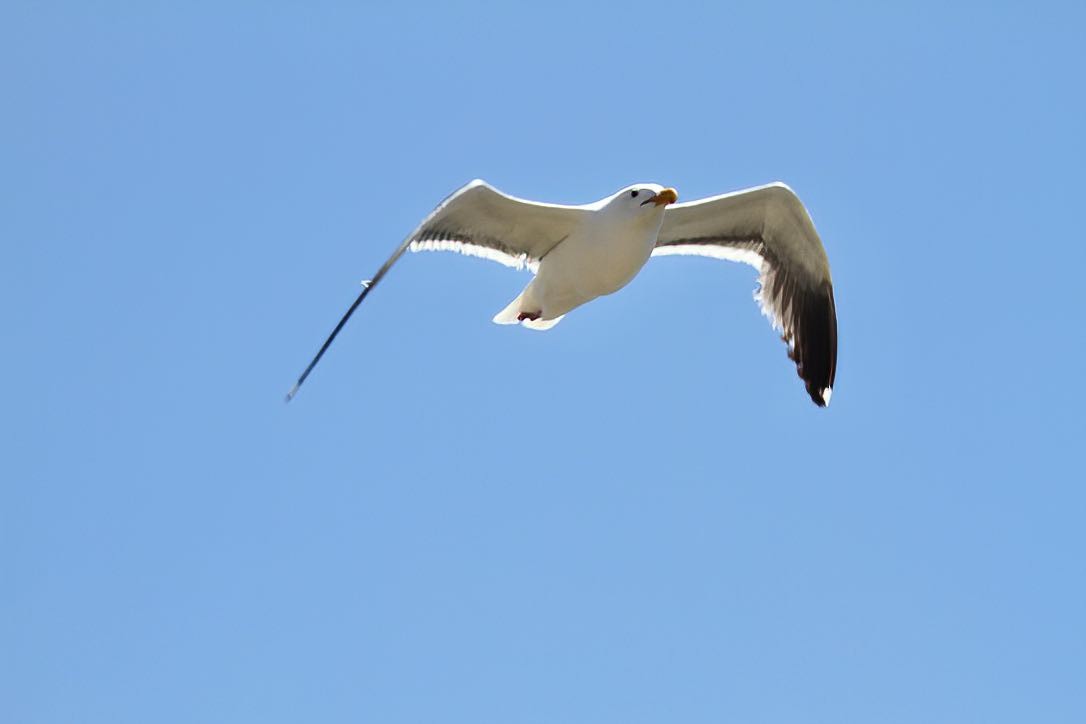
[[579, 253]]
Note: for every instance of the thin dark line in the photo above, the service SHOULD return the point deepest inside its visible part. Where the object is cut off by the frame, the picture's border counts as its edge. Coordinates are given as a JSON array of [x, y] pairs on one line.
[[369, 285], [328, 342], [732, 241]]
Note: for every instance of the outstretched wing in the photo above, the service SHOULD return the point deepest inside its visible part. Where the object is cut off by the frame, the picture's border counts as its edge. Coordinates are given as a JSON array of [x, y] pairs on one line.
[[477, 220], [769, 228]]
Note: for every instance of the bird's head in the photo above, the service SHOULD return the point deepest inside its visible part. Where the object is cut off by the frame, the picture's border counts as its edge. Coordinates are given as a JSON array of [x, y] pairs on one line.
[[642, 199]]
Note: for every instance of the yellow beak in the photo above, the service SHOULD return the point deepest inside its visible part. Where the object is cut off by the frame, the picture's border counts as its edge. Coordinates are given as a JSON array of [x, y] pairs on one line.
[[665, 197]]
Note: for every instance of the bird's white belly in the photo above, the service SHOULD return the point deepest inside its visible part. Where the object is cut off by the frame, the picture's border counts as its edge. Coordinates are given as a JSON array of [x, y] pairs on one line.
[[590, 265]]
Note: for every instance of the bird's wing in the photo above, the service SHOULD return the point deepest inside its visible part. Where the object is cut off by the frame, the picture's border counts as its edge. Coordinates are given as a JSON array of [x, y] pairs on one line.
[[477, 220], [769, 228]]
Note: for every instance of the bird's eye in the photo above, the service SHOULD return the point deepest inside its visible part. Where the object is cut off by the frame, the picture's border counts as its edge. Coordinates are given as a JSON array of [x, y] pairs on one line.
[[633, 194]]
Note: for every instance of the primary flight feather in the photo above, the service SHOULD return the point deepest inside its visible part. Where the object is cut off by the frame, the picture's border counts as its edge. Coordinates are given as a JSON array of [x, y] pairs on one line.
[[579, 253]]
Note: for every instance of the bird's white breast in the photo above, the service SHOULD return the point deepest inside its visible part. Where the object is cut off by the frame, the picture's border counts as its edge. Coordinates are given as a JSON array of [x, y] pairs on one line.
[[599, 257]]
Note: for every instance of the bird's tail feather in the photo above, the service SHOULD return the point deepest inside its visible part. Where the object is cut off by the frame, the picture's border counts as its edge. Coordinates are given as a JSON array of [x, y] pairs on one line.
[[511, 315], [541, 325]]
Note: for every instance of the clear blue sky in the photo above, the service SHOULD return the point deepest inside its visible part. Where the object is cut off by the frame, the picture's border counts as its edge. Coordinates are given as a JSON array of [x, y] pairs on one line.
[[636, 517]]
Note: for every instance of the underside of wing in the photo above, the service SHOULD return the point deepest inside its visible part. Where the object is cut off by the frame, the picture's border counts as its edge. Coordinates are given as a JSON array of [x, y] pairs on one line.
[[478, 220], [769, 229]]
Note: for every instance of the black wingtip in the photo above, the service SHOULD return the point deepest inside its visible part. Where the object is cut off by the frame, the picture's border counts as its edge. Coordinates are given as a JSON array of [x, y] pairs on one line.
[[815, 344], [820, 396], [292, 393], [367, 285]]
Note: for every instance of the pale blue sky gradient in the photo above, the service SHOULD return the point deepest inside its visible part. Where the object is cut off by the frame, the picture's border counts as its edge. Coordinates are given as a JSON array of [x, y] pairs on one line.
[[636, 517]]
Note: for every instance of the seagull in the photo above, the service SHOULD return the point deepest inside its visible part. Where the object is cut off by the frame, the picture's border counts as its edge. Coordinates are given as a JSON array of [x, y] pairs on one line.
[[579, 253]]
